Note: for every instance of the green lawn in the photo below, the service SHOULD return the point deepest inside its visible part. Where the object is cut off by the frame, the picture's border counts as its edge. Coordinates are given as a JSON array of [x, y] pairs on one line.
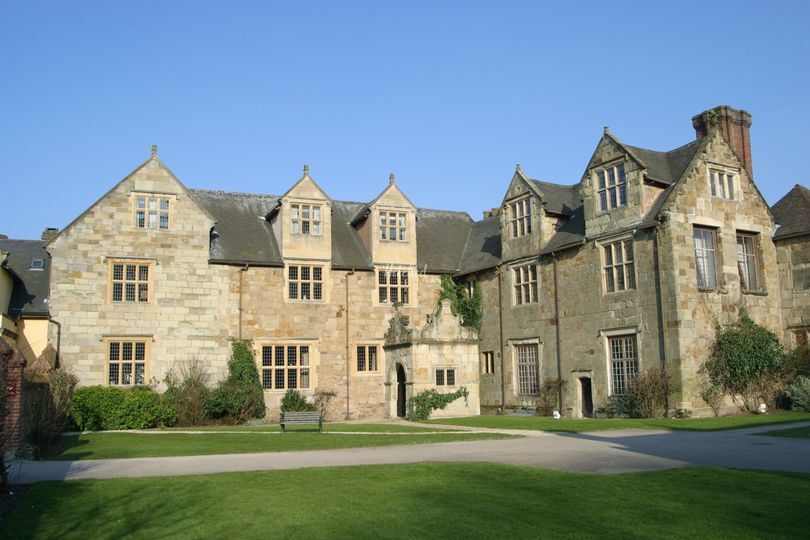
[[130, 445], [421, 501], [330, 427], [580, 425], [796, 433]]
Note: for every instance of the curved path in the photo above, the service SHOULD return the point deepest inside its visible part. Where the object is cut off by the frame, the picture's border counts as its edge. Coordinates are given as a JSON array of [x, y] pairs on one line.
[[605, 452]]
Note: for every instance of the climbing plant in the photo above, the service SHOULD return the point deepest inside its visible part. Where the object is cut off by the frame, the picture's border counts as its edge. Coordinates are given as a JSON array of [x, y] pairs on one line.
[[745, 357], [424, 403], [461, 303]]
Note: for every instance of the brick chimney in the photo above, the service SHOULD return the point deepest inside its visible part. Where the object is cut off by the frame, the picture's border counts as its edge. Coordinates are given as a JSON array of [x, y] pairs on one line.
[[734, 124], [49, 233]]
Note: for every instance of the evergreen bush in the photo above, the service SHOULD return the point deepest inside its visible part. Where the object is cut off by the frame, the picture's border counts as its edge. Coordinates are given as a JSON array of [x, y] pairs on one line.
[[799, 394], [293, 401], [110, 407], [240, 396]]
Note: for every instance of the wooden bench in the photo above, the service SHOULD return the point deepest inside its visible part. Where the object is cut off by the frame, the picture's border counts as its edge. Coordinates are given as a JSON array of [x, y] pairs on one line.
[[300, 419]]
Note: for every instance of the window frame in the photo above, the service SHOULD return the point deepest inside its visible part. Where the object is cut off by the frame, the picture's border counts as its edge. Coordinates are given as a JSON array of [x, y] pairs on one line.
[[521, 287], [445, 371], [488, 362], [367, 348], [400, 226], [630, 366], [611, 269], [315, 286], [133, 341], [527, 369], [723, 182], [298, 222], [136, 282], [37, 265], [268, 365], [611, 196], [756, 255], [520, 217], [714, 250], [387, 286], [159, 212]]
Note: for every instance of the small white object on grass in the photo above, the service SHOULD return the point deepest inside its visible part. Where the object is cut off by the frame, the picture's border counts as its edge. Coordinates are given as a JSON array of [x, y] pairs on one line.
[[763, 409], [556, 415]]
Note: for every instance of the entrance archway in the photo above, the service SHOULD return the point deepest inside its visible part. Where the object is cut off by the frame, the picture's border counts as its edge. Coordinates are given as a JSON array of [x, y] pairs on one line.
[[400, 391], [586, 393]]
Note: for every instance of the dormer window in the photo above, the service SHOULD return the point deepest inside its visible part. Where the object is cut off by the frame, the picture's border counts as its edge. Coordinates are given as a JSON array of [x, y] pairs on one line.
[[721, 183], [393, 226], [611, 187], [306, 219], [37, 264], [521, 217], [152, 212]]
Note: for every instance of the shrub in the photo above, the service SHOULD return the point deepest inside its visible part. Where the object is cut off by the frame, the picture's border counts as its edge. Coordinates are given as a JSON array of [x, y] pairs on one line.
[[424, 403], [47, 408], [188, 395], [649, 391], [712, 395], [240, 396], [322, 400], [619, 406], [110, 407], [549, 398], [799, 393], [293, 401], [743, 360]]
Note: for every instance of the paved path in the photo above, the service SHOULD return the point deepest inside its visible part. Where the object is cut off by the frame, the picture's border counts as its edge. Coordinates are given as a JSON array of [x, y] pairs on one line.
[[606, 452]]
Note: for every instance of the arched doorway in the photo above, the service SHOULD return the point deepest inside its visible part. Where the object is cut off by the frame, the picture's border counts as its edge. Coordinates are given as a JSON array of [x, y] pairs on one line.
[[586, 393], [400, 391]]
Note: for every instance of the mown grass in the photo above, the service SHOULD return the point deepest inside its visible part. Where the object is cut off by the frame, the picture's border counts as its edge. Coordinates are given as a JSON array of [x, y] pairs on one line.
[[328, 427], [131, 445], [795, 433], [420, 501], [581, 425]]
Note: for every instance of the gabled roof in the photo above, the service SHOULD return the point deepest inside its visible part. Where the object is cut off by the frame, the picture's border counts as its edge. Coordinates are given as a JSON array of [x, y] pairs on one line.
[[664, 167], [792, 213], [348, 250], [31, 287]]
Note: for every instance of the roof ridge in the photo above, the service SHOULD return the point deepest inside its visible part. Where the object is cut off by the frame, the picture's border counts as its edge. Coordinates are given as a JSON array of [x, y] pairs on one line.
[[663, 151], [555, 184], [226, 192]]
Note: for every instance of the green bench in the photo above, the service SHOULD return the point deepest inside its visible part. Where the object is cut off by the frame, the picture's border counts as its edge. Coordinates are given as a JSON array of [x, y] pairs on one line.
[[300, 419]]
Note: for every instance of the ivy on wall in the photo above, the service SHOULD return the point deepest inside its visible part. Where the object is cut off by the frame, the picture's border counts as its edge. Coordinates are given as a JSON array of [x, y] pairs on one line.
[[461, 303], [424, 403]]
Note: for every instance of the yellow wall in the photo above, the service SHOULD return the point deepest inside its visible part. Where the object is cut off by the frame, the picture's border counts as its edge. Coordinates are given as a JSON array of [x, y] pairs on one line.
[[32, 338]]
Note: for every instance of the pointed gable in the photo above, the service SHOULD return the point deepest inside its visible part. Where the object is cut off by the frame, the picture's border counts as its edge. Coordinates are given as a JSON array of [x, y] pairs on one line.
[[791, 213]]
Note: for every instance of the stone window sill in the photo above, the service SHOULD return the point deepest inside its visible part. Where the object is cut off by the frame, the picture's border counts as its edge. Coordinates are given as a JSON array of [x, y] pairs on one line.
[[756, 293], [719, 290]]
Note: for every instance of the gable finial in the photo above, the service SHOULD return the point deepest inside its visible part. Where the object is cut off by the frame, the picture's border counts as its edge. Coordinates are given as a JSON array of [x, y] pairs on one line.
[[606, 130], [518, 168], [154, 151], [306, 169], [391, 179]]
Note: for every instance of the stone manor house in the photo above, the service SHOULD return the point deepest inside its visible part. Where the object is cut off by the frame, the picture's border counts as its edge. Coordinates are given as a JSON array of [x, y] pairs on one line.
[[633, 266]]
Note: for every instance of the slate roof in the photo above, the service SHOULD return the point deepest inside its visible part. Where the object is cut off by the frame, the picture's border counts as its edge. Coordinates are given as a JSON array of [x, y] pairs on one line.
[[559, 199], [30, 294], [792, 213], [242, 235], [482, 248], [665, 167]]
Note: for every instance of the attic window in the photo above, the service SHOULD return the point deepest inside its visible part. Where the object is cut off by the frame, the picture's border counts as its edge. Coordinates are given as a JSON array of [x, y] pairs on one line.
[[521, 217], [152, 212], [37, 264], [306, 219], [722, 183], [393, 226], [611, 187]]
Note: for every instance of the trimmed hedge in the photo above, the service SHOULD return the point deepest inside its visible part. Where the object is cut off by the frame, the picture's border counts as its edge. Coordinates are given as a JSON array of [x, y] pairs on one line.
[[109, 407]]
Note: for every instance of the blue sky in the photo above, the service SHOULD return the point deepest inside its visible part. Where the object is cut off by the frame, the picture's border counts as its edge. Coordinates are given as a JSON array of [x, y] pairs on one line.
[[448, 95]]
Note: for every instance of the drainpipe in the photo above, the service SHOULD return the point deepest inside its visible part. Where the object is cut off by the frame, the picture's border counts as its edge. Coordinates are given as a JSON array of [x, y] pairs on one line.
[[241, 273], [348, 361], [500, 342], [660, 308], [57, 361], [557, 329]]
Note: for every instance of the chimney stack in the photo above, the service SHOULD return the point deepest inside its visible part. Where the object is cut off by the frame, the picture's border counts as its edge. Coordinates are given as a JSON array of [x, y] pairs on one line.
[[735, 125], [49, 233]]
